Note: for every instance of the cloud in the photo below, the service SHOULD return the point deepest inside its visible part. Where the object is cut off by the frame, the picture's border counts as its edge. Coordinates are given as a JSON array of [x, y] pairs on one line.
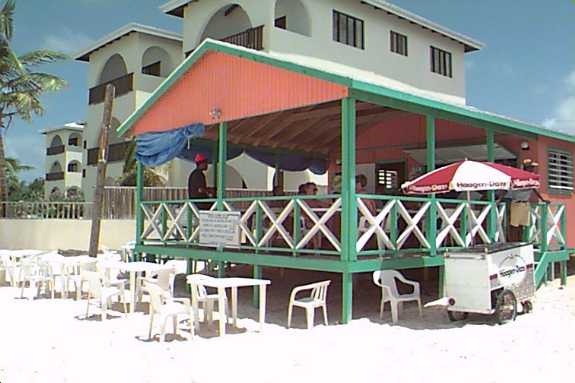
[[67, 41], [563, 117]]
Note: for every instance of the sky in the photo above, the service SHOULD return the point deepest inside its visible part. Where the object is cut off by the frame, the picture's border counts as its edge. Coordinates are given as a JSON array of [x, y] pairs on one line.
[[526, 70]]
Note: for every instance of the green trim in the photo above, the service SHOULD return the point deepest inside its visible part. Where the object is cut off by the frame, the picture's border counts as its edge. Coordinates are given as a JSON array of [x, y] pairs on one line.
[[546, 259], [492, 223], [430, 160], [348, 196], [346, 298], [357, 89], [222, 159]]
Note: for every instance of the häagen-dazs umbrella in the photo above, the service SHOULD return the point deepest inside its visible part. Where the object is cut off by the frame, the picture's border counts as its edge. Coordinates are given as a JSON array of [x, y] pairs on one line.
[[467, 176]]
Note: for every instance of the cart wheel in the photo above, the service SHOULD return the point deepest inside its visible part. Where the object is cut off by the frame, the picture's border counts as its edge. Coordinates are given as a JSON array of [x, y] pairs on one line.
[[456, 316], [506, 307], [527, 307]]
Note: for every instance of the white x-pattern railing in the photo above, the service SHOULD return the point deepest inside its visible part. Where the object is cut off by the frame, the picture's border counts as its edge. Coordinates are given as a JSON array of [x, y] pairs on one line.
[[461, 224], [550, 230], [178, 221]]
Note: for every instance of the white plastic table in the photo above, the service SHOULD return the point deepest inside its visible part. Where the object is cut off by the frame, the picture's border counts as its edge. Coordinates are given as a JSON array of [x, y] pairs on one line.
[[135, 268], [221, 284]]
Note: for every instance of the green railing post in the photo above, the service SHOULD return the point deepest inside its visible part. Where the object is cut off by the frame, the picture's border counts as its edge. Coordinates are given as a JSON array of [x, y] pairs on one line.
[[139, 197], [221, 170], [221, 184], [348, 197], [492, 222], [430, 157], [349, 204]]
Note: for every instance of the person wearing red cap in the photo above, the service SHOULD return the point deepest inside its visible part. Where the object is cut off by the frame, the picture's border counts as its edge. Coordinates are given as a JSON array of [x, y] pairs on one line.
[[197, 186]]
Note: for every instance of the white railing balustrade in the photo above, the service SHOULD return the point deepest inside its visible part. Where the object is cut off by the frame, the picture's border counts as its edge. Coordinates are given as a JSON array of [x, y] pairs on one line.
[[46, 210]]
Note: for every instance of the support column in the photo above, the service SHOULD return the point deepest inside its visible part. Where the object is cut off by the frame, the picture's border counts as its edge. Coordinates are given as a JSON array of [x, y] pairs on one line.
[[221, 181], [349, 203], [222, 159], [431, 224], [139, 197], [492, 223], [430, 157]]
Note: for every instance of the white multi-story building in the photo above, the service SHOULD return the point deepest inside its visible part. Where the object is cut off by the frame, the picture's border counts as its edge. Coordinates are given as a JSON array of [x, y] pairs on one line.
[[64, 160], [371, 35]]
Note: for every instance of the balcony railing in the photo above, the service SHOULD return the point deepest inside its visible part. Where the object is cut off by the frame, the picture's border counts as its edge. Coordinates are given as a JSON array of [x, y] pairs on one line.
[[251, 38], [116, 153], [53, 150], [56, 176], [123, 85]]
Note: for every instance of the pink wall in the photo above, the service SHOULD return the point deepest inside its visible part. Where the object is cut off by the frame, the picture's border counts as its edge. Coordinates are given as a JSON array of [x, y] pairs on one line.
[[239, 87]]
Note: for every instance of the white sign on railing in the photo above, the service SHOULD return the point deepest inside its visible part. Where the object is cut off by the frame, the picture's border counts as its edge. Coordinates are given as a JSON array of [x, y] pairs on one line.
[[220, 228]]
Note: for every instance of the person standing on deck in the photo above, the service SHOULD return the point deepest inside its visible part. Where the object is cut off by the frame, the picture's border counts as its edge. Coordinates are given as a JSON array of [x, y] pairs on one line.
[[197, 185]]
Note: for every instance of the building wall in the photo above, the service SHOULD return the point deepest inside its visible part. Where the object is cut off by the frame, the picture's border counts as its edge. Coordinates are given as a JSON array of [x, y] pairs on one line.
[[71, 153], [134, 49], [414, 70], [62, 234]]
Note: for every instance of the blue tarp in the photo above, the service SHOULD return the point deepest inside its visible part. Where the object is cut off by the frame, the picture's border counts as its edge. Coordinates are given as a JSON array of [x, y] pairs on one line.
[[154, 149]]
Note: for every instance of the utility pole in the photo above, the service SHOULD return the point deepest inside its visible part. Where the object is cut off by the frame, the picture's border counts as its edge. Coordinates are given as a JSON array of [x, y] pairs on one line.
[[102, 164]]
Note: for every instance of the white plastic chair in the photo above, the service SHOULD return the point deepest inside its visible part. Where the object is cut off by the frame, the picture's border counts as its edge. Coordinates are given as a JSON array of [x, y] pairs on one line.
[[200, 295], [316, 299], [386, 279], [11, 268], [36, 273], [75, 278], [162, 305], [100, 294]]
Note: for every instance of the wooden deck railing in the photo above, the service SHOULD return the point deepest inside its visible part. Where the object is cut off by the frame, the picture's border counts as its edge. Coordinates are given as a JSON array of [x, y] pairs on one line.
[[251, 38], [303, 224], [123, 85], [56, 176], [116, 153], [53, 150]]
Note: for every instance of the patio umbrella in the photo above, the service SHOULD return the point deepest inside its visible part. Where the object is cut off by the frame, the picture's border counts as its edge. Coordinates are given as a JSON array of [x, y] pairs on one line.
[[468, 176]]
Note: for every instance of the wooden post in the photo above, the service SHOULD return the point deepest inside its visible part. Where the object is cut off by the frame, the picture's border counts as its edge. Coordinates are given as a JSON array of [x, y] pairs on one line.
[[101, 176]]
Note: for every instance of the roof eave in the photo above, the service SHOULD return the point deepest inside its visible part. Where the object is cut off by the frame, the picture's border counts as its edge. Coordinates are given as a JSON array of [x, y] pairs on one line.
[[125, 30], [470, 44]]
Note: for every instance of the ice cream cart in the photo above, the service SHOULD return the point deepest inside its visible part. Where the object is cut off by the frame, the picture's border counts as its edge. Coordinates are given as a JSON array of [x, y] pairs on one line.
[[490, 279]]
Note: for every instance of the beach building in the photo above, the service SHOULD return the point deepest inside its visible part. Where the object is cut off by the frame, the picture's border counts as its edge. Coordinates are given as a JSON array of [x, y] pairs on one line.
[[349, 110], [64, 160]]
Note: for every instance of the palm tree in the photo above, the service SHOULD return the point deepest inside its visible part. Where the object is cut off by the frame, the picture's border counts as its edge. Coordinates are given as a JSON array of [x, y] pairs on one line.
[[152, 178], [13, 168], [20, 84]]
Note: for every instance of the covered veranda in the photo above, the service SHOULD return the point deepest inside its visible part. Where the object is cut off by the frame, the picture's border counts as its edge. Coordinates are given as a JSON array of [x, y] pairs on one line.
[[287, 110]]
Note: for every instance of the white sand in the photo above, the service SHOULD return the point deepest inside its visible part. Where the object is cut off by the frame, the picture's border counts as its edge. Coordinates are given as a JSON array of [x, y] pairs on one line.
[[44, 341]]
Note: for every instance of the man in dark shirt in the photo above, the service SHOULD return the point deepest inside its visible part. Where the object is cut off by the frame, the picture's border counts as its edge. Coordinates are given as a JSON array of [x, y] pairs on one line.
[[197, 187]]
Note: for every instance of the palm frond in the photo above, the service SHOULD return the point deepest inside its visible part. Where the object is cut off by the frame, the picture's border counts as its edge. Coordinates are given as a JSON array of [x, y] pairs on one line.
[[42, 56], [7, 19], [48, 82]]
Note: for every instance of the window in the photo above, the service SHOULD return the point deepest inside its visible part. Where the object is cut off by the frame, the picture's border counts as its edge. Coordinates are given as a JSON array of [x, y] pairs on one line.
[[281, 22], [154, 69], [83, 173], [390, 176], [74, 141], [348, 30], [398, 43], [441, 62], [560, 171]]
